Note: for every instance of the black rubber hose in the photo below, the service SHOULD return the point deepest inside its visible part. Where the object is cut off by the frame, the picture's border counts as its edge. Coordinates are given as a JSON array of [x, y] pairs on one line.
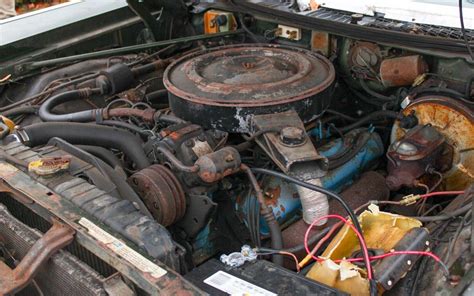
[[123, 189], [125, 125], [374, 94], [21, 111], [46, 110], [49, 91], [267, 213], [167, 118], [309, 186], [445, 216], [157, 94], [339, 114], [372, 116], [100, 152], [87, 134], [362, 139]]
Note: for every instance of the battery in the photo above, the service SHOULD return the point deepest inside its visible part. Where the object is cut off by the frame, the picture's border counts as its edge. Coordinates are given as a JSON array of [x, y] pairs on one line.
[[256, 278]]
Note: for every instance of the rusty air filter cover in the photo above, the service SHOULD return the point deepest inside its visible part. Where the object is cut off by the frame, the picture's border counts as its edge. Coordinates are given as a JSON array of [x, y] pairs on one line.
[[223, 87]]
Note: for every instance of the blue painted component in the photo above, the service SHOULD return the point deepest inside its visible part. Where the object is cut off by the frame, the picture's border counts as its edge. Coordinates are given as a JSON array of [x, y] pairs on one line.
[[283, 197], [344, 175]]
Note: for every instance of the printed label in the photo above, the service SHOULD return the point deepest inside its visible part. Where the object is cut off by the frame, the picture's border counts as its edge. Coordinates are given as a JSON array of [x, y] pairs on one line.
[[235, 286], [121, 249]]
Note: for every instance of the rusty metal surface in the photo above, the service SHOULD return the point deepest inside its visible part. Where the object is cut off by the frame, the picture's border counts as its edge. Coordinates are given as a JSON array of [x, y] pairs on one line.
[[162, 193], [422, 150], [223, 87], [217, 165], [370, 186], [364, 54], [50, 205], [249, 75], [321, 42], [402, 71], [120, 215], [455, 121], [299, 159], [63, 273], [145, 114], [57, 237]]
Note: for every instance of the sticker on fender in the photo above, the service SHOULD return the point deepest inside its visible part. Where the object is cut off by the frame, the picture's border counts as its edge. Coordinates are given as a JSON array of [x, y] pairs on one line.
[[121, 249], [235, 286]]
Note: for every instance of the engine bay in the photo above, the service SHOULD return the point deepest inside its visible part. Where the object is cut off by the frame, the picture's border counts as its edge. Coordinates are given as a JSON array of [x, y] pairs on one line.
[[250, 158]]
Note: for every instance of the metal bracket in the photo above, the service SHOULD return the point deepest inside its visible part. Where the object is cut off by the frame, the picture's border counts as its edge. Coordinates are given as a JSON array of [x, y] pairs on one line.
[[13, 281], [296, 157]]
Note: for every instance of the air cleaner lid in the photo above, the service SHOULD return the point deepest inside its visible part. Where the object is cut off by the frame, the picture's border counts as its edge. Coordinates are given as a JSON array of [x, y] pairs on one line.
[[248, 75]]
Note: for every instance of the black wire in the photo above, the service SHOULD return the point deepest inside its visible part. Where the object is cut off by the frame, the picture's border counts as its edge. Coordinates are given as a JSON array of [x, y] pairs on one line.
[[344, 116], [370, 118], [309, 186], [374, 94], [444, 216], [463, 31]]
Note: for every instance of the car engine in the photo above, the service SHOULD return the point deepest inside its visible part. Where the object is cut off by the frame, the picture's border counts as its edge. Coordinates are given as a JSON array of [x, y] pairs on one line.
[[297, 161]]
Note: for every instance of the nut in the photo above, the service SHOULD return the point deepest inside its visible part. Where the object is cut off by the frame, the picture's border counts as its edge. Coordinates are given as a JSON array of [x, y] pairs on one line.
[[292, 136]]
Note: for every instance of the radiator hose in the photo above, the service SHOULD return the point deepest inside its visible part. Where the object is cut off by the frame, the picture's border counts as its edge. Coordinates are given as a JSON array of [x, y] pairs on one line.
[[87, 134]]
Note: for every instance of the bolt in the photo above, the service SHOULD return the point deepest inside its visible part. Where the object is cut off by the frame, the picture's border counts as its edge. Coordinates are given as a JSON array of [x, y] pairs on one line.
[[201, 138], [189, 143], [427, 243], [389, 283], [292, 135], [409, 262], [356, 17], [229, 158]]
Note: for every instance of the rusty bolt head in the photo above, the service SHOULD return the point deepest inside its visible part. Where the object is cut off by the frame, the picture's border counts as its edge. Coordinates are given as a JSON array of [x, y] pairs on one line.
[[292, 136], [229, 158]]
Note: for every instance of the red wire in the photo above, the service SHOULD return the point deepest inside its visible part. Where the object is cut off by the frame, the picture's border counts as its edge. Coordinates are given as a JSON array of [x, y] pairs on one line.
[[393, 253], [325, 238], [359, 235], [441, 193], [294, 258]]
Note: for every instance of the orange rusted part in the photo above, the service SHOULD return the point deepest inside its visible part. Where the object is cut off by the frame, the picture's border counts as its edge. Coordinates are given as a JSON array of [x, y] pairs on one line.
[[320, 42], [146, 114], [13, 281], [161, 192], [455, 122], [402, 71], [272, 194]]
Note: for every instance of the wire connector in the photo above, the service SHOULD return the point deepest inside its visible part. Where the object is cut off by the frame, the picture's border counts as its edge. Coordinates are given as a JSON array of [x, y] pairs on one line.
[[410, 199]]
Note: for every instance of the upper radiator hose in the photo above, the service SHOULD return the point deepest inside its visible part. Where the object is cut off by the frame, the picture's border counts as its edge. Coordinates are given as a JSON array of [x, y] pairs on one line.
[[87, 134]]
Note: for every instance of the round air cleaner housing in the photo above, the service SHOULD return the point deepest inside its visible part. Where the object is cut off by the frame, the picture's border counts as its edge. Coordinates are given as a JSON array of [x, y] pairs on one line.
[[224, 87]]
